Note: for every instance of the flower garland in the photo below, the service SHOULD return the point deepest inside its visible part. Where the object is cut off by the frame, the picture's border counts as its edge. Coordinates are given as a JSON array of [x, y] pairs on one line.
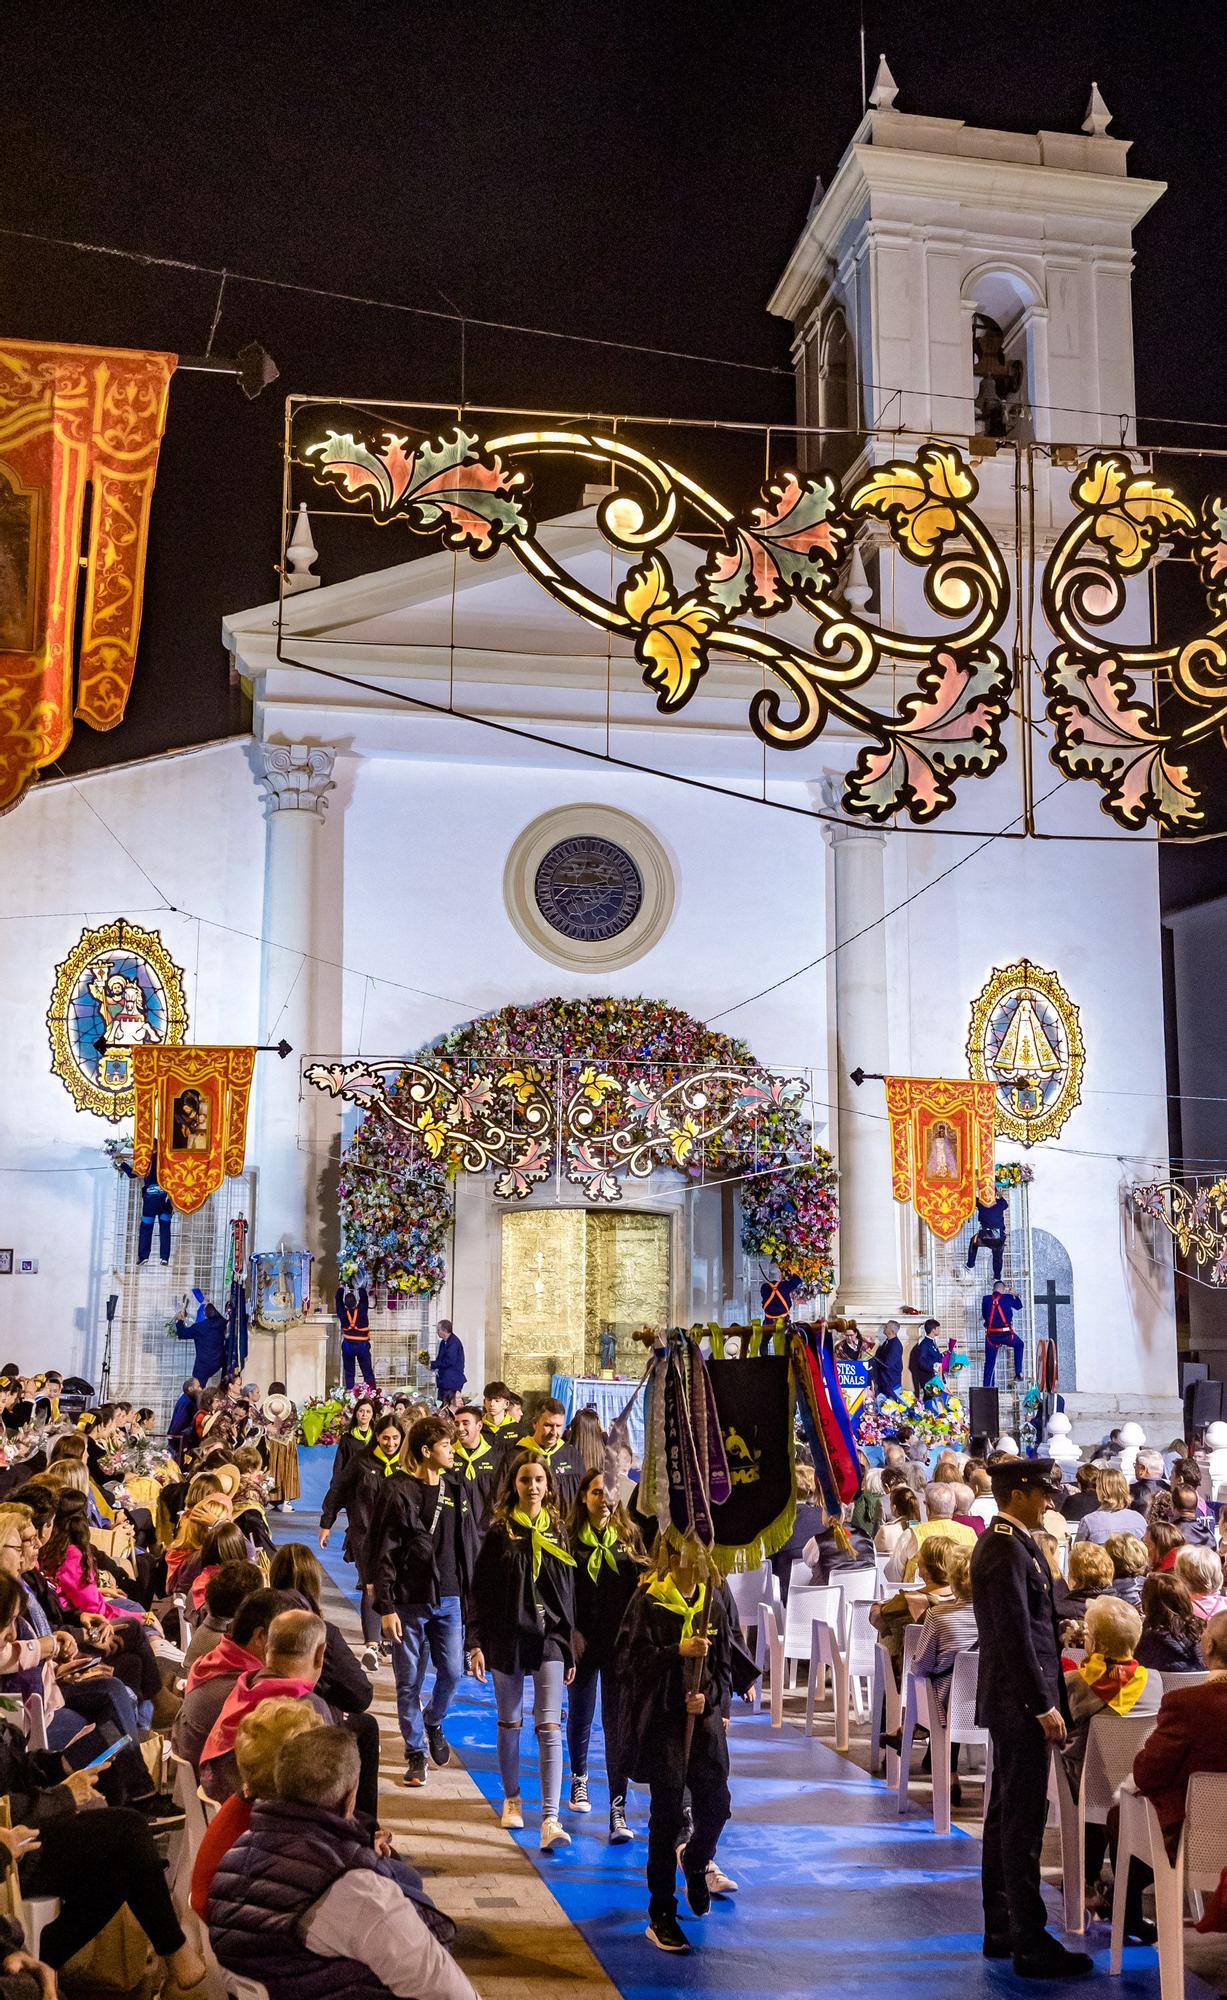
[[395, 1202]]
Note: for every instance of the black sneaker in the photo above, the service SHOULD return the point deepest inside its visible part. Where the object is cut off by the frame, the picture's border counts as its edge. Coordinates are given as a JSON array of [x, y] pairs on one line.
[[619, 1831], [440, 1748], [579, 1800], [415, 1768], [698, 1895], [1049, 1959], [667, 1934]]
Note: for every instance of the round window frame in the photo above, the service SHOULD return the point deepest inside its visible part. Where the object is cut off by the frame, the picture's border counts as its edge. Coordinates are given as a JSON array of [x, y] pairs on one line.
[[656, 873]]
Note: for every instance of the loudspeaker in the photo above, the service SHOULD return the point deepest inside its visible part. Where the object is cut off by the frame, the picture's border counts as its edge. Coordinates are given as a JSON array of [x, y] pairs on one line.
[[985, 1412], [1203, 1404]]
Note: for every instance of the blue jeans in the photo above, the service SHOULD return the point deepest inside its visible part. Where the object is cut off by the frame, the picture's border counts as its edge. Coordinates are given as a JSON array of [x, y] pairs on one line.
[[434, 1633], [992, 1349], [357, 1354]]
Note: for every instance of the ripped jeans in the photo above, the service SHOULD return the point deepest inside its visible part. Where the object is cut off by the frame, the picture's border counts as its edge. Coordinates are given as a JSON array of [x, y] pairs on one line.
[[547, 1718]]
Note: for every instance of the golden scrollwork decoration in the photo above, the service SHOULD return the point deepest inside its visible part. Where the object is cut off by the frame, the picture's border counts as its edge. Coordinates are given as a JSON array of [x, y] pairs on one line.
[[786, 553], [1194, 1216], [1107, 729]]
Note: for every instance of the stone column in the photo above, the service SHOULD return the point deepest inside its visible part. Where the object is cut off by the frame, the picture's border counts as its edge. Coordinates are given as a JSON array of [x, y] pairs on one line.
[[869, 1284], [298, 779]]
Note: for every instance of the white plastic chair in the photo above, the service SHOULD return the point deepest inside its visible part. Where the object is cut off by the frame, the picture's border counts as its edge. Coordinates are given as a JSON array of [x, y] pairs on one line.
[[858, 1586], [1200, 1860], [808, 1606], [879, 1563], [187, 1624], [960, 1726], [886, 1700], [853, 1660], [36, 1722], [185, 1843], [750, 1588], [1112, 1743]]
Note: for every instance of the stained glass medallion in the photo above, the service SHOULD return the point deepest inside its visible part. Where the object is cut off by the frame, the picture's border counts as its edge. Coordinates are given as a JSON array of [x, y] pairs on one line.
[[588, 888]]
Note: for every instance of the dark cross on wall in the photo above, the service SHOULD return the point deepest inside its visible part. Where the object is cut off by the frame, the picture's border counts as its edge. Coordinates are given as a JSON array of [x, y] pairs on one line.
[[1047, 1301]]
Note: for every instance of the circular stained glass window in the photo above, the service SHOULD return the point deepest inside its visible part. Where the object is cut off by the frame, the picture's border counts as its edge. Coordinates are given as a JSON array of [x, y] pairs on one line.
[[588, 889]]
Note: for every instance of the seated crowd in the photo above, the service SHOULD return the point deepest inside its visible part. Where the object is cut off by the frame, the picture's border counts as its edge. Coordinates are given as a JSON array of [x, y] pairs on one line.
[[1138, 1582], [297, 1884]]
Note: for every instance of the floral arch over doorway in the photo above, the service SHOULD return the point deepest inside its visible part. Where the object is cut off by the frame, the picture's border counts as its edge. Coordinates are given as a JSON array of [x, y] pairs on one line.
[[395, 1194]]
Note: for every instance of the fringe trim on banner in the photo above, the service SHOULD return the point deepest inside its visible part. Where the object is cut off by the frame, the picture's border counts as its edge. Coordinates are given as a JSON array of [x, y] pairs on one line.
[[735, 1558]]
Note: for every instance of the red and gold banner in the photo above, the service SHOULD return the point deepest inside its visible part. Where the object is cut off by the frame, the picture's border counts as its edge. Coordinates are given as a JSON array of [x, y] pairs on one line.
[[71, 419], [191, 1103], [941, 1146]]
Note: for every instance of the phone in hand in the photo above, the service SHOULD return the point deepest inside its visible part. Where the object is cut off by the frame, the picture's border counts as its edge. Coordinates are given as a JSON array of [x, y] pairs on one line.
[[105, 1756]]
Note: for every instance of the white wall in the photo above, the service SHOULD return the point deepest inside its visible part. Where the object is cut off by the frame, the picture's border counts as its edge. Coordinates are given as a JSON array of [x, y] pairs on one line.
[[194, 825]]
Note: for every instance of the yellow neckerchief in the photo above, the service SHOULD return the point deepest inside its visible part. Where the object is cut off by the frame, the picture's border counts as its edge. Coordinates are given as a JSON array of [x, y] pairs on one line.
[[363, 1437], [664, 1591], [390, 1465], [542, 1450], [1118, 1684], [501, 1425], [469, 1459], [603, 1546], [539, 1530]]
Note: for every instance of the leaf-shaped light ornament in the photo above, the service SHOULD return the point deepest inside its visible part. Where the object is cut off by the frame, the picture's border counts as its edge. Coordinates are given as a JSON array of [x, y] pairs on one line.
[[919, 502], [433, 1131], [524, 1083], [682, 1138], [444, 484], [1130, 515], [1104, 734], [670, 637], [789, 548], [950, 727], [595, 1086]]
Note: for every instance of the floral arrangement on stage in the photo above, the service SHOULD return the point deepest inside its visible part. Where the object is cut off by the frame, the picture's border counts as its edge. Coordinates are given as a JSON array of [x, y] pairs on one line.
[[1013, 1173], [19, 1445], [325, 1419], [396, 1203], [791, 1215], [940, 1419]]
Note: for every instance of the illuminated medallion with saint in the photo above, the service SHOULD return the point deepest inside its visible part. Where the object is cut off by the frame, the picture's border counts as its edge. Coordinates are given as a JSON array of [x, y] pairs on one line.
[[1025, 1037], [118, 989]]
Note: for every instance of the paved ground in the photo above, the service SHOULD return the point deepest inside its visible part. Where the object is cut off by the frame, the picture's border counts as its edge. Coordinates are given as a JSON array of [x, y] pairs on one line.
[[837, 1895]]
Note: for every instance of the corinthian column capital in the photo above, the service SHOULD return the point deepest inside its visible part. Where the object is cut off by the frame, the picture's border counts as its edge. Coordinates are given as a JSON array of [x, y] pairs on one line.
[[838, 827], [297, 777]]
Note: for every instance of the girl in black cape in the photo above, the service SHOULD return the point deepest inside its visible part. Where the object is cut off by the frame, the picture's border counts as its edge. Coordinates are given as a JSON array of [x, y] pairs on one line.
[[658, 1645], [609, 1560], [521, 1621], [353, 1492]]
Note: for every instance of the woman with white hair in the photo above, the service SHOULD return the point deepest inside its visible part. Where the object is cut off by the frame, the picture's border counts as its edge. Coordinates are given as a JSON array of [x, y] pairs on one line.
[[1201, 1572], [1109, 1681]]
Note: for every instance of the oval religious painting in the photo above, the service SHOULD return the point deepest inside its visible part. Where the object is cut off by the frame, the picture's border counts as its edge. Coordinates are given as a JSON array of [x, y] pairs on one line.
[[1025, 1038], [117, 989], [588, 889]]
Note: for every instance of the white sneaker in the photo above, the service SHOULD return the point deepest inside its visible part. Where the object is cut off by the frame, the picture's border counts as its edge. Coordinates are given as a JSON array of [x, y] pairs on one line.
[[718, 1883], [553, 1834], [512, 1817], [368, 1659]]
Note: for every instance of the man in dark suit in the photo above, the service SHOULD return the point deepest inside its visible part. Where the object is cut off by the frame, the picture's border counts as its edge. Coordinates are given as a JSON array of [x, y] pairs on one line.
[[886, 1364], [1021, 1701]]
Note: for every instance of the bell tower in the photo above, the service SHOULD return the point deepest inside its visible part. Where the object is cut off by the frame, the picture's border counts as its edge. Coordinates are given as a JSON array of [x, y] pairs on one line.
[[962, 281]]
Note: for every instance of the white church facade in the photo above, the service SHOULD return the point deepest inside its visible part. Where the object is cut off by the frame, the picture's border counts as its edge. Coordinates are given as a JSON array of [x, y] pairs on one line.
[[362, 873]]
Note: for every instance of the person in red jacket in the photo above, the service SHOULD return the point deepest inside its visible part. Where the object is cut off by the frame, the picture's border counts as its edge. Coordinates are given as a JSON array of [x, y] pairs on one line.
[[1190, 1736]]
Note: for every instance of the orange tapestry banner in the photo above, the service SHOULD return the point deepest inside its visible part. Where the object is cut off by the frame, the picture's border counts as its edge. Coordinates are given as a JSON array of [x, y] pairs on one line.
[[72, 419], [191, 1103], [941, 1146]]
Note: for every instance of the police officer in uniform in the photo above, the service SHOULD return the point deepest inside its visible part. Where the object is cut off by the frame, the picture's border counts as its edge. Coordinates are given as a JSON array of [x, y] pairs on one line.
[[1021, 1702]]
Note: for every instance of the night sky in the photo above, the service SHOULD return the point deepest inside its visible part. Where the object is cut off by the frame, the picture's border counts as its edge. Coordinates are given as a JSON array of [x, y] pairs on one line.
[[626, 172]]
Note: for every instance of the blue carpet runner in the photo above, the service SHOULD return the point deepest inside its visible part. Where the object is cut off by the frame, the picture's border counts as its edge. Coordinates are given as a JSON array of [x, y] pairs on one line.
[[836, 1894]]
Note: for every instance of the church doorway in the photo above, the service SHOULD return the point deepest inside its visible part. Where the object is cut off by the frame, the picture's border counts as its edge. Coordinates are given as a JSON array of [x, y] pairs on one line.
[[573, 1275]]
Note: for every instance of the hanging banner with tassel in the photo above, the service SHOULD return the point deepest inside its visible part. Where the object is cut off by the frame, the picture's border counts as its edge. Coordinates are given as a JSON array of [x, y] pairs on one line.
[[941, 1147], [72, 420], [192, 1104]]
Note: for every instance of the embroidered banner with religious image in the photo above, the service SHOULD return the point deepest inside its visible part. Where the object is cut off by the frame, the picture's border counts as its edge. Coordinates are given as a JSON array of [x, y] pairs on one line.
[[941, 1146], [71, 419], [191, 1103]]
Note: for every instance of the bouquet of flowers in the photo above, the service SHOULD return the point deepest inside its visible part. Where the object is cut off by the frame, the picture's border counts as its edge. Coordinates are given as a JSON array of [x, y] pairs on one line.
[[940, 1419], [1013, 1173], [17, 1446]]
